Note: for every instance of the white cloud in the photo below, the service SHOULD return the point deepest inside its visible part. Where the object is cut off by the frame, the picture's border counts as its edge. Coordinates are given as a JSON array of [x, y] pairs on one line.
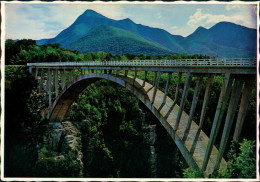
[[233, 6], [159, 15], [37, 22], [199, 18]]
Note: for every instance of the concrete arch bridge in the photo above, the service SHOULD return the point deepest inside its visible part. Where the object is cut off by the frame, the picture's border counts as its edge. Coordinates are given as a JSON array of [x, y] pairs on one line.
[[197, 148]]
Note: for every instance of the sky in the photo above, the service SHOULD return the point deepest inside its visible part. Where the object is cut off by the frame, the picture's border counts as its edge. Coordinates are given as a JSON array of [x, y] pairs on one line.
[[46, 20]]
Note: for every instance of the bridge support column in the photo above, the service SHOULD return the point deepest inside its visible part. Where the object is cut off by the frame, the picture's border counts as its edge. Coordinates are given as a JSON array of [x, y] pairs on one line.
[[105, 71], [41, 81], [36, 74], [242, 109], [56, 82], [177, 88], [110, 71], [155, 77], [135, 77], [117, 72], [194, 101], [63, 79], [233, 103], [166, 88], [155, 87], [70, 76], [49, 79], [126, 73], [184, 96], [224, 95], [92, 70], [205, 100], [145, 75]]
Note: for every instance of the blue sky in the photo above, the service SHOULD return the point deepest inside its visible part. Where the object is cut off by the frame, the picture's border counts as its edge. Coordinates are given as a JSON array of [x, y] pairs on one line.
[[46, 20]]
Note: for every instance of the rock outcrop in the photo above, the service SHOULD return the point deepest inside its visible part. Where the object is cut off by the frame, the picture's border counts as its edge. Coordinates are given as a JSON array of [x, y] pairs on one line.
[[61, 148]]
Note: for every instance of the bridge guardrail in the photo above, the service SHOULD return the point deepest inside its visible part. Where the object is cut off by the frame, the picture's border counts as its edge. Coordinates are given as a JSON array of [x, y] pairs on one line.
[[164, 63]]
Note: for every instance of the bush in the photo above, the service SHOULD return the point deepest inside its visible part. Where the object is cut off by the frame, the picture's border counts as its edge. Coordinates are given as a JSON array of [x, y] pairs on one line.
[[192, 173], [241, 165]]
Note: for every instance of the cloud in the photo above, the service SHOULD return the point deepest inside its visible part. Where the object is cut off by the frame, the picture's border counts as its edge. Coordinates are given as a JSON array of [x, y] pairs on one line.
[[174, 27], [159, 15], [37, 21], [199, 18], [233, 6]]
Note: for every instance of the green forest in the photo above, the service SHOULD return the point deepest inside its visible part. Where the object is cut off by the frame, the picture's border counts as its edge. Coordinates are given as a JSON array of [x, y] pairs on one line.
[[114, 130]]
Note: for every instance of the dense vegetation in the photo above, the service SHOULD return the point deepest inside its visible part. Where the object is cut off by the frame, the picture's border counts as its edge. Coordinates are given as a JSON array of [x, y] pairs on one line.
[[116, 41], [22, 116], [115, 135], [114, 126], [25, 51]]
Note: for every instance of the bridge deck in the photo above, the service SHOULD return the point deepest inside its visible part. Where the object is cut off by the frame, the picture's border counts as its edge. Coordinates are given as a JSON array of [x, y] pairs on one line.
[[235, 65]]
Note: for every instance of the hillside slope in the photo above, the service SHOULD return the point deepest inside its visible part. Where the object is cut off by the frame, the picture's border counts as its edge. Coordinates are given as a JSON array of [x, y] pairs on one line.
[[117, 41]]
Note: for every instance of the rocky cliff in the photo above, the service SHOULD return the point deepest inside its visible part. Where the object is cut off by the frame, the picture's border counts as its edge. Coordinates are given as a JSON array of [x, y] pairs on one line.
[[61, 150]]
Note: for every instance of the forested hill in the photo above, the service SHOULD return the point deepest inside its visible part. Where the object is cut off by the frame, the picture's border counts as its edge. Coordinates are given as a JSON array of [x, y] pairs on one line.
[[116, 41], [26, 51], [224, 39]]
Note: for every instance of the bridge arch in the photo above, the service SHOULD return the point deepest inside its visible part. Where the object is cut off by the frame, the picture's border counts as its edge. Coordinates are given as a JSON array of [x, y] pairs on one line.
[[192, 144]]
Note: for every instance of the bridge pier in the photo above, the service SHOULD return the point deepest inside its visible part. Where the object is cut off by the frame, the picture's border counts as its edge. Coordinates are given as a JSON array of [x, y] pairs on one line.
[[194, 101], [235, 95], [243, 108], [41, 81], [63, 79], [155, 77], [70, 76], [224, 95], [177, 88], [184, 96], [166, 88], [56, 82], [145, 75], [135, 77], [117, 72], [36, 74], [49, 86], [206, 100], [156, 85], [126, 73]]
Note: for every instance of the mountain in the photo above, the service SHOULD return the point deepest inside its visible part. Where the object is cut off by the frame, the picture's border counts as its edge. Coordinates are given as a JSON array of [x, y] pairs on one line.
[[117, 41], [90, 19], [223, 40], [227, 34]]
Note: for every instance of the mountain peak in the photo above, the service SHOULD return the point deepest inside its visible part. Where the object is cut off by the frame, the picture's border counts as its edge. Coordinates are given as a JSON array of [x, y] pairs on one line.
[[225, 25], [200, 31], [200, 28], [127, 19], [91, 13], [88, 15]]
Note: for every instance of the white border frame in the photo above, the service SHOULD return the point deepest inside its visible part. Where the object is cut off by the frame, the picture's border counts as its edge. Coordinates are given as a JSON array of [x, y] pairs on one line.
[[3, 3]]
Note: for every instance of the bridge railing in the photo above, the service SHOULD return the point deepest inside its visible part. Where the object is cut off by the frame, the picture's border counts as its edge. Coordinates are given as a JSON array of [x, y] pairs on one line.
[[163, 63]]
